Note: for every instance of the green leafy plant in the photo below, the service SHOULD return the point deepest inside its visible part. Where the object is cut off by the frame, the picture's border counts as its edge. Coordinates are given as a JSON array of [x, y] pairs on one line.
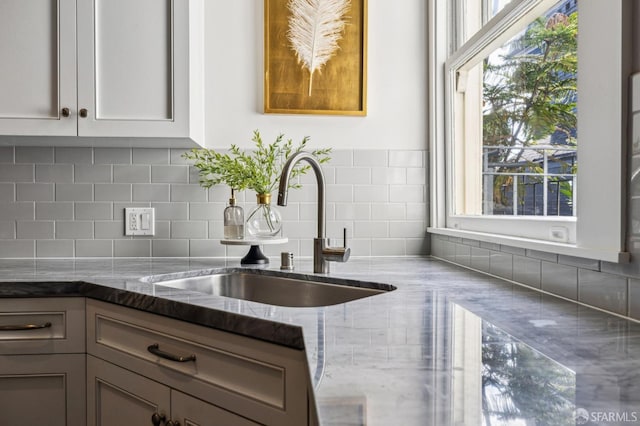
[[258, 170]]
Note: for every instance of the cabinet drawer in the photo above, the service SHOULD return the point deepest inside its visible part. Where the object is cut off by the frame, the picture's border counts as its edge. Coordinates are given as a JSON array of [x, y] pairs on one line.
[[42, 325], [262, 381]]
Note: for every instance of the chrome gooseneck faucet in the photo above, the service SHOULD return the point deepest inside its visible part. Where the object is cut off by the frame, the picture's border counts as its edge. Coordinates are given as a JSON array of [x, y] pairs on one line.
[[322, 253]]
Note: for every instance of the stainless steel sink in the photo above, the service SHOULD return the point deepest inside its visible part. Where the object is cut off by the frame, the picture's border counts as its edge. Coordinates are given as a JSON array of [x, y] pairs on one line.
[[274, 290]]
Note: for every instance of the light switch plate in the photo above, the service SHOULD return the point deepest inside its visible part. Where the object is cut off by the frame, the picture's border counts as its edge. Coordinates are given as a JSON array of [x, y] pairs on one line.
[[139, 221]]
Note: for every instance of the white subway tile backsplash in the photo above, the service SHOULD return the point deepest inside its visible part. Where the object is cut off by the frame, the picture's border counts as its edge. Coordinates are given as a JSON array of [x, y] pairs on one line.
[[189, 229], [17, 211], [7, 192], [12, 249], [360, 247], [94, 248], [594, 265], [353, 175], [371, 229], [406, 159], [549, 257], [132, 173], [58, 173], [417, 246], [407, 229], [417, 176], [151, 192], [7, 230], [171, 211], [150, 156], [480, 259], [501, 264], [356, 211], [388, 247], [54, 248], [527, 270], [335, 194], [388, 176], [170, 174], [371, 158], [185, 192], [107, 230], [6, 154], [340, 158], [407, 193], [54, 211], [28, 230], [216, 229], [112, 155], [132, 248], [605, 291], [17, 173], [371, 194], [163, 229], [175, 156], [388, 211], [90, 173], [463, 254], [417, 211], [74, 230], [73, 155], [113, 192], [298, 229], [560, 279], [85, 190], [207, 211], [74, 192], [93, 211], [33, 154], [170, 248], [309, 194], [34, 191], [206, 248]]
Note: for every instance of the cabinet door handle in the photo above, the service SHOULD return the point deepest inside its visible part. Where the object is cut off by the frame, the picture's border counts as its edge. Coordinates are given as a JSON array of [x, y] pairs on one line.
[[155, 349], [83, 112], [65, 112], [22, 327], [157, 419]]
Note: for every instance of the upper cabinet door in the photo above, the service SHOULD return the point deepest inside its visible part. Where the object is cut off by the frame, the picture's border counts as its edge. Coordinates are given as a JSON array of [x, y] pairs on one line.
[[140, 68], [38, 67]]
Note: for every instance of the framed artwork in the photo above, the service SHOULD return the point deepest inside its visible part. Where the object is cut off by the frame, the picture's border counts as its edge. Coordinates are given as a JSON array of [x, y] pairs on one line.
[[315, 57]]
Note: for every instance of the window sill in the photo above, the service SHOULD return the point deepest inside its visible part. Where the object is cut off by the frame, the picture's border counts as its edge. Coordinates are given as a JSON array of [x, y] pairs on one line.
[[540, 245]]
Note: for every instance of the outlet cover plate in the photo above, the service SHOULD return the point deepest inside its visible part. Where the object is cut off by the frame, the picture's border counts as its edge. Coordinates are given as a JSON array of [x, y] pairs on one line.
[[139, 221]]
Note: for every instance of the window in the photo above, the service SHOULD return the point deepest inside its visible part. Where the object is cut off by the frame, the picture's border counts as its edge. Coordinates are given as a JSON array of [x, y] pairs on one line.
[[528, 123]]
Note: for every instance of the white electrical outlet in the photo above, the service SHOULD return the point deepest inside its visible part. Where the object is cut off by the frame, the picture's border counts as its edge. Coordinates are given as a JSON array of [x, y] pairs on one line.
[[139, 221]]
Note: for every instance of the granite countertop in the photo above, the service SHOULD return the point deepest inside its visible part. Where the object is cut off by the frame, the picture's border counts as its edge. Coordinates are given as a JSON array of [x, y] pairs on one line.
[[448, 346]]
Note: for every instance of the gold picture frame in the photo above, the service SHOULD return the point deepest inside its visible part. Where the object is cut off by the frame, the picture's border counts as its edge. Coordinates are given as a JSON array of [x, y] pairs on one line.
[[338, 85]]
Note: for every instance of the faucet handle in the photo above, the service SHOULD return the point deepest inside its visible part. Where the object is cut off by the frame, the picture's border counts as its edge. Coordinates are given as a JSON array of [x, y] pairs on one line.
[[344, 237]]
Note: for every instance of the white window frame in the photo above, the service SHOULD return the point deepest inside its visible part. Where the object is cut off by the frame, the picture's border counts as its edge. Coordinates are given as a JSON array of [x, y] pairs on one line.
[[604, 69]]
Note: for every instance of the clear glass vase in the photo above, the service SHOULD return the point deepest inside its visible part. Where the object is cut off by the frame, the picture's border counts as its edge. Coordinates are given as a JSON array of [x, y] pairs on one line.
[[263, 220]]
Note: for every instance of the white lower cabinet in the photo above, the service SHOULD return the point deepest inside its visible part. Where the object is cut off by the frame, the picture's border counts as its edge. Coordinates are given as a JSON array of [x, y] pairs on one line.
[[144, 368], [42, 362], [118, 397], [42, 390]]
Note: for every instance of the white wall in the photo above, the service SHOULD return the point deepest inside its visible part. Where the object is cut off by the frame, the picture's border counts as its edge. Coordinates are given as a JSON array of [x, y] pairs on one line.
[[397, 77]]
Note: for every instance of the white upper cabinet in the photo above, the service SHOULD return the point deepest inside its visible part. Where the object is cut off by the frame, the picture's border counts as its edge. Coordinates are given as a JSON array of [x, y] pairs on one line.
[[38, 67], [131, 75]]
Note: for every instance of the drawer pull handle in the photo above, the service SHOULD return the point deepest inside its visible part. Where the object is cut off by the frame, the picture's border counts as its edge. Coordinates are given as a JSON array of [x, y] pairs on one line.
[[24, 327], [155, 349]]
